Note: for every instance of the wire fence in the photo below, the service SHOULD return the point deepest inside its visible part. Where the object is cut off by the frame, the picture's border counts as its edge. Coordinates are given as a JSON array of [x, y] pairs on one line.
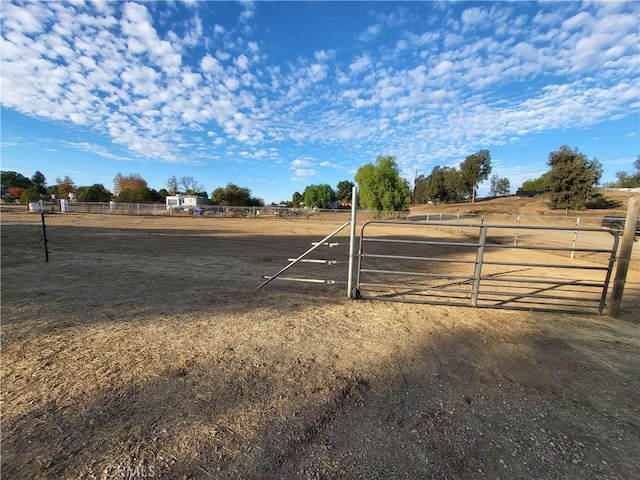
[[221, 211], [452, 220]]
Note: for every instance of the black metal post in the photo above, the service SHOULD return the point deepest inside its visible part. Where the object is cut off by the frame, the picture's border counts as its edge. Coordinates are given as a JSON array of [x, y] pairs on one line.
[[44, 237]]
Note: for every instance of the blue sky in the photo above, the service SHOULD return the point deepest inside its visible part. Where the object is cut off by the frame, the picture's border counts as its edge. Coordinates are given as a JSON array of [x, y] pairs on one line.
[[275, 96]]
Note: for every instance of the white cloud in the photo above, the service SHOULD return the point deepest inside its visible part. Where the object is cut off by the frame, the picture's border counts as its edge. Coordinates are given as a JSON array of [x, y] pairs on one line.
[[298, 162], [444, 67], [242, 62], [94, 149], [302, 174], [360, 64], [210, 64], [578, 21], [370, 33], [474, 16]]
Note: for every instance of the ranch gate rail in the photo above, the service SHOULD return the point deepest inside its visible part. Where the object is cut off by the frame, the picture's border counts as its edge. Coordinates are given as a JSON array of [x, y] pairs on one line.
[[481, 264], [484, 269]]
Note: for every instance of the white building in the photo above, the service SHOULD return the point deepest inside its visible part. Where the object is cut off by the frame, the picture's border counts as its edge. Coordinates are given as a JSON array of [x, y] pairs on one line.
[[186, 201]]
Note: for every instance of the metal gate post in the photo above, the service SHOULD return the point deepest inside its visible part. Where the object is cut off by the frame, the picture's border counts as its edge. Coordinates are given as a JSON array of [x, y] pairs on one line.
[[351, 293], [478, 269]]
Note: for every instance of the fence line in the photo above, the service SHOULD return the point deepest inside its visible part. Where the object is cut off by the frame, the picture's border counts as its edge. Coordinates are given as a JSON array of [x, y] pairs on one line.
[[337, 215]]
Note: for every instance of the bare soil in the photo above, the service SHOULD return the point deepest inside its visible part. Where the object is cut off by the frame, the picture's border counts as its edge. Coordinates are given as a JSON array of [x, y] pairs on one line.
[[143, 349]]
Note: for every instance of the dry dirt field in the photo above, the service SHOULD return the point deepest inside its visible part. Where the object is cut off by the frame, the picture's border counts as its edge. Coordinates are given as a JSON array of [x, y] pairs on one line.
[[143, 350]]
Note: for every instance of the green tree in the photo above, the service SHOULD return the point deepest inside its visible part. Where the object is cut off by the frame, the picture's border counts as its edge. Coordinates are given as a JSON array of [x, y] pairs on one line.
[[9, 178], [344, 190], [381, 187], [537, 184], [163, 194], [39, 182], [443, 185], [296, 200], [475, 169], [318, 196], [499, 186], [572, 179], [419, 190], [233, 195], [136, 195], [94, 193], [433, 188], [30, 195]]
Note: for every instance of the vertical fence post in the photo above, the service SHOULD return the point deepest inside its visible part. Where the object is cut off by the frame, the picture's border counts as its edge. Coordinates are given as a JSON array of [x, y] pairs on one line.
[[515, 237], [625, 257], [575, 238], [478, 269], [44, 237], [352, 242]]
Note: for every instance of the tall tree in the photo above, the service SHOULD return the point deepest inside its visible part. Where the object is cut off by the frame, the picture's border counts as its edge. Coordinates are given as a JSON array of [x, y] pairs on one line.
[[444, 184], [419, 187], [475, 169], [344, 190], [94, 193], [39, 182], [318, 196], [572, 178], [499, 186], [381, 187], [235, 196], [296, 200]]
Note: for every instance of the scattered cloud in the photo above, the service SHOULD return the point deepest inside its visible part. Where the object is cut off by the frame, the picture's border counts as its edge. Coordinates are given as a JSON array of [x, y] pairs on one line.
[[430, 91], [370, 33], [94, 149]]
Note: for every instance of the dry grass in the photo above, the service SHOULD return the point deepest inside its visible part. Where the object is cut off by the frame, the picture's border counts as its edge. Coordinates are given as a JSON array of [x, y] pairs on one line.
[[144, 345]]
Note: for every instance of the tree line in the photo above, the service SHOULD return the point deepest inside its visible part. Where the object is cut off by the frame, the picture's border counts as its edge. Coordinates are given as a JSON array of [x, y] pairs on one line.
[[570, 182]]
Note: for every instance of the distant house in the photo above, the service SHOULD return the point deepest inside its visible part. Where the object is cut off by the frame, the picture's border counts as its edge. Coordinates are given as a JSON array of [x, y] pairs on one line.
[[186, 201]]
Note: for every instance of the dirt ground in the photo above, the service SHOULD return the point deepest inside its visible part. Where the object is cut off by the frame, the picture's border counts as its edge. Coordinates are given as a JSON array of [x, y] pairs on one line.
[[144, 350]]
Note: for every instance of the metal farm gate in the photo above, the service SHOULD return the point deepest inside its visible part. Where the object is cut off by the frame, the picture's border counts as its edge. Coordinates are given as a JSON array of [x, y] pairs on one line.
[[519, 267], [484, 265]]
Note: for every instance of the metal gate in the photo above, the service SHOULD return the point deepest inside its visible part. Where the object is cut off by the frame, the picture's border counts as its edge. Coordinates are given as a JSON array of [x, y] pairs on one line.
[[486, 265]]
